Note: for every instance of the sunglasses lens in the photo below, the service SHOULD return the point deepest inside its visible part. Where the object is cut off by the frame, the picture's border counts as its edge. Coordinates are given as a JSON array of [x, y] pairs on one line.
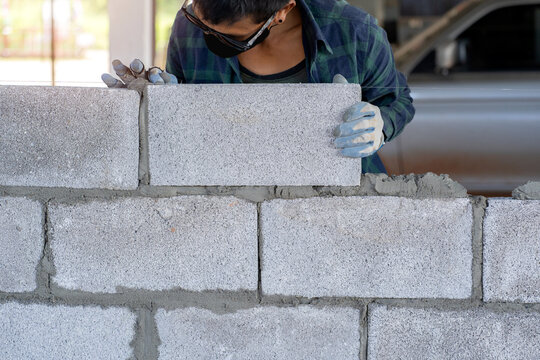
[[238, 45]]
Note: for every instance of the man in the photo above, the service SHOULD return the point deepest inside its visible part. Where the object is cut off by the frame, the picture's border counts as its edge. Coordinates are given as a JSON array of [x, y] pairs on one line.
[[316, 41]]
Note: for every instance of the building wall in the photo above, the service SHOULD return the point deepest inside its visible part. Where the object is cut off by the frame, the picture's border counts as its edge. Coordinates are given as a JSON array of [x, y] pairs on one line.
[[204, 221]]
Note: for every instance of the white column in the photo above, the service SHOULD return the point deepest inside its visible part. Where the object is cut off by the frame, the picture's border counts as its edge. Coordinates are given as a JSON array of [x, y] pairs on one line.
[[131, 30]]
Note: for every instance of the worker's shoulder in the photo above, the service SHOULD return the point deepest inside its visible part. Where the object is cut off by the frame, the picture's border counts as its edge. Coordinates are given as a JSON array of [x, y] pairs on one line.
[[341, 11]]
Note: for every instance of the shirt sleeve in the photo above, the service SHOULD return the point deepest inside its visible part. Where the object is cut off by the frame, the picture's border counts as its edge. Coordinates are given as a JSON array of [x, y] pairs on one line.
[[174, 65], [383, 85]]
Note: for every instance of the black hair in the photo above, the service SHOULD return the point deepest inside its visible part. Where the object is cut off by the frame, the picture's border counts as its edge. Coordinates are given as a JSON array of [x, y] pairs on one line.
[[220, 11]]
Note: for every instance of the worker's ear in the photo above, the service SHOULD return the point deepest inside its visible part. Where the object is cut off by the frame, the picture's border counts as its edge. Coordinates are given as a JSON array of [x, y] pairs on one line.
[[283, 12]]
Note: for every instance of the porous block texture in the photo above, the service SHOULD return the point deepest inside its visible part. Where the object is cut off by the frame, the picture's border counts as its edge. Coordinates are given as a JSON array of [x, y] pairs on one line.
[[249, 134], [189, 242], [21, 241], [301, 332], [386, 247], [69, 137], [412, 333], [61, 332], [512, 251]]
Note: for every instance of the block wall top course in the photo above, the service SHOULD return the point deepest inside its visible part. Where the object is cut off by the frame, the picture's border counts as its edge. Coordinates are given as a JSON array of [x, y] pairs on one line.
[[238, 134], [69, 137]]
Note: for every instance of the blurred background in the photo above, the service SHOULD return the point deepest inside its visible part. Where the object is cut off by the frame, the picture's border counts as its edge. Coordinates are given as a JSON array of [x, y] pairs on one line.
[[473, 67], [89, 33]]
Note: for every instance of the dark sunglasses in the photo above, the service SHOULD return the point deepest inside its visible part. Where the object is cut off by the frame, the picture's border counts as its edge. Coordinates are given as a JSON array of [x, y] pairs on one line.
[[236, 44]]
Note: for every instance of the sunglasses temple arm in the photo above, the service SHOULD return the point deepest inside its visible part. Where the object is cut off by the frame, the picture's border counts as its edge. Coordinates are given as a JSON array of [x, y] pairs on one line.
[[261, 31]]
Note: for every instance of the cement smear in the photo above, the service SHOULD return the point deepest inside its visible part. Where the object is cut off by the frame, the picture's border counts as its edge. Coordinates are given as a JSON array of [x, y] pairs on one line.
[[529, 191]]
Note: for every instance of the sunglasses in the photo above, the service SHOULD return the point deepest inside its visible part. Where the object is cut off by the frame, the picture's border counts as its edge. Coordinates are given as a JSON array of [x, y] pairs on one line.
[[236, 44]]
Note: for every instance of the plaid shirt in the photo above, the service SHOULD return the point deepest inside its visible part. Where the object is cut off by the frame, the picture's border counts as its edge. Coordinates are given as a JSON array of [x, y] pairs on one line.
[[338, 39]]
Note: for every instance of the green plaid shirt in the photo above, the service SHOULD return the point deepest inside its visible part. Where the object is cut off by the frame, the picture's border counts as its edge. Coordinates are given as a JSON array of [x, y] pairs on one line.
[[338, 39]]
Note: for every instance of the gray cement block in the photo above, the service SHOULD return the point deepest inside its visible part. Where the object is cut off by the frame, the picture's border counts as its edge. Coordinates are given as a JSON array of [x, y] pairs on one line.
[[69, 137], [385, 247], [21, 241], [302, 332], [40, 332], [512, 251], [407, 333], [192, 242], [256, 134]]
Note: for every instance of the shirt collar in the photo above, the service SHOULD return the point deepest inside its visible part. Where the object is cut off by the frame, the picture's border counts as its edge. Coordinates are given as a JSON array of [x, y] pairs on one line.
[[311, 33], [312, 28]]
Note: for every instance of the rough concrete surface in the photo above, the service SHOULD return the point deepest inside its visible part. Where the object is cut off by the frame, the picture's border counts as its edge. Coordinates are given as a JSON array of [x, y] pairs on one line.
[[302, 332], [35, 331], [21, 243], [367, 247], [512, 251], [192, 242], [427, 185], [529, 191], [412, 333], [69, 137], [236, 134]]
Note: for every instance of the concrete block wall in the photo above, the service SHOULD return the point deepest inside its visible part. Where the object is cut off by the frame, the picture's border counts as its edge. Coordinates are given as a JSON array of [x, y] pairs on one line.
[[212, 222]]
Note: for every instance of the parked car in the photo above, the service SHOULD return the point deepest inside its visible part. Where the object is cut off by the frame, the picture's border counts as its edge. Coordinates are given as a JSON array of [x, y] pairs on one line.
[[475, 80]]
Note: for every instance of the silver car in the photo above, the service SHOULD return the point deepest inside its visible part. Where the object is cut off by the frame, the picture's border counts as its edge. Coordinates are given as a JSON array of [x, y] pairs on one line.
[[475, 80]]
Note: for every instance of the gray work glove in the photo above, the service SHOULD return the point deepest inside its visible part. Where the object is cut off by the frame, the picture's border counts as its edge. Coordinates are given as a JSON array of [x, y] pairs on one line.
[[135, 77], [361, 133]]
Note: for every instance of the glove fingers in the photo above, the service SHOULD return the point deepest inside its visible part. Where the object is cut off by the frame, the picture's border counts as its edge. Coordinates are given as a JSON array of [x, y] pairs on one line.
[[169, 78], [111, 82], [123, 71], [339, 79], [361, 110], [154, 76], [355, 127], [358, 152], [137, 67], [354, 140]]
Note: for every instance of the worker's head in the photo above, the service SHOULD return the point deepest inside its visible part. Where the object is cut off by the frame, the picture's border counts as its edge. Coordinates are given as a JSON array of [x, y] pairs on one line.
[[234, 26]]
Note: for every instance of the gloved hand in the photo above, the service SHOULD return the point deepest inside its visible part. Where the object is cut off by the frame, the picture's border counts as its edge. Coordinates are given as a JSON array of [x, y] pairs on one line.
[[361, 133], [136, 77]]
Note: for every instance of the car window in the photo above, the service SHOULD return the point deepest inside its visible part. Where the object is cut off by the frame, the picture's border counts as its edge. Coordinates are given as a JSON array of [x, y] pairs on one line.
[[507, 39]]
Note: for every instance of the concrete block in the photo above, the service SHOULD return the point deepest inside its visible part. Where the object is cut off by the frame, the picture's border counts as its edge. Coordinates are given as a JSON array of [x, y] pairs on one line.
[[512, 251], [69, 137], [302, 332], [256, 134], [413, 333], [21, 241], [386, 247], [39, 332], [193, 242]]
